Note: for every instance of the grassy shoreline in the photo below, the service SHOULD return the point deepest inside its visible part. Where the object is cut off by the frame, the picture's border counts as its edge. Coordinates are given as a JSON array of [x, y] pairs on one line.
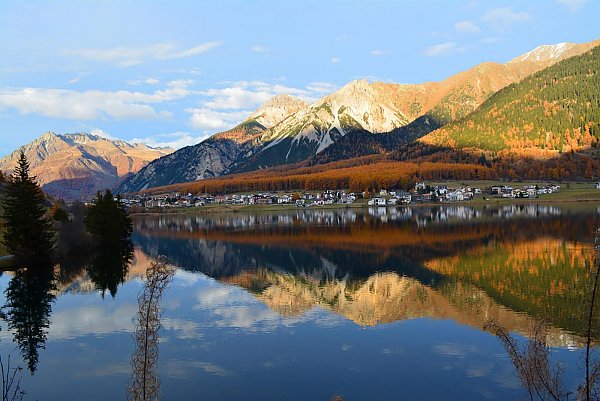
[[571, 195]]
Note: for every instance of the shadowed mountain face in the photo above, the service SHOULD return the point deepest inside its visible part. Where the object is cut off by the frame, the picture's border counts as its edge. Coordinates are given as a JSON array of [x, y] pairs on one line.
[[75, 166], [360, 118], [400, 112], [469, 265], [214, 156]]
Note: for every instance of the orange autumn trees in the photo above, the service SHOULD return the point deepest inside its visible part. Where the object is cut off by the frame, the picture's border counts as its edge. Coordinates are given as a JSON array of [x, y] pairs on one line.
[[374, 174]]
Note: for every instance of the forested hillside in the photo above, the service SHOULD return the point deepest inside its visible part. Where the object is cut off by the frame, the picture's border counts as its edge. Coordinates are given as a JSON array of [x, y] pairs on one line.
[[3, 250], [366, 173], [556, 110]]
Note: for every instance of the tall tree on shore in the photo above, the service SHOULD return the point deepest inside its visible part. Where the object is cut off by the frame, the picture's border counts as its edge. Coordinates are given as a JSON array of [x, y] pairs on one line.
[[28, 232], [107, 220]]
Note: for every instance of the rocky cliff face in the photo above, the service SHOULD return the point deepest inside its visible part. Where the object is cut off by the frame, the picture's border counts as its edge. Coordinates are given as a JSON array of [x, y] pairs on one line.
[[214, 156], [75, 166], [360, 118], [376, 108], [277, 109], [205, 160]]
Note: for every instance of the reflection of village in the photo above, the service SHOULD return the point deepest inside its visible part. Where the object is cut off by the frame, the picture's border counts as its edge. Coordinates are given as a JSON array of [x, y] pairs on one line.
[[431, 264], [421, 193], [468, 265], [381, 298], [420, 216]]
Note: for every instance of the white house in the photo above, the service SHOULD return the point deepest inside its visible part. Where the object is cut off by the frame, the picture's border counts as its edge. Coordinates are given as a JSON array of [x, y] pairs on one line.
[[455, 196], [376, 202], [441, 190]]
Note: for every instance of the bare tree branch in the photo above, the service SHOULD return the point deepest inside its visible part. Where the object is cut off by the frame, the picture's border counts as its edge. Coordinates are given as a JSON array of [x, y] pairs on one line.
[[144, 361], [11, 381]]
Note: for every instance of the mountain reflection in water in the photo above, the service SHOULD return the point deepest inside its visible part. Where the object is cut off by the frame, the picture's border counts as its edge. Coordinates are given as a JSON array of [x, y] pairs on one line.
[[512, 264], [348, 300]]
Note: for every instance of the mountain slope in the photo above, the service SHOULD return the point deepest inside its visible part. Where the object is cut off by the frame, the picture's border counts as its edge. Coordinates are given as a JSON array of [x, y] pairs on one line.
[[359, 119], [213, 156], [74, 166], [401, 111], [554, 111], [208, 159]]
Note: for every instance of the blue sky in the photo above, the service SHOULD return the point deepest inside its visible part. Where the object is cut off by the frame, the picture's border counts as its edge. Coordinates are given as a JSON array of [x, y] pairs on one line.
[[172, 73]]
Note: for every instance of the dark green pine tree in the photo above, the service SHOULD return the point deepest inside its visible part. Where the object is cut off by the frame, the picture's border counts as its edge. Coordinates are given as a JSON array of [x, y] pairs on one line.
[[28, 233], [107, 220]]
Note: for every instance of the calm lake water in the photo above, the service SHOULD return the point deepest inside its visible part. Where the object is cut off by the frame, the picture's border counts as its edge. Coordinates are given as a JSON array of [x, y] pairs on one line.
[[369, 304]]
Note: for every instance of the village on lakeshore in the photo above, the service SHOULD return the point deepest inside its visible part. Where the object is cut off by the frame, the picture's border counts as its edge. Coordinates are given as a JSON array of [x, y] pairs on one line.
[[421, 193]]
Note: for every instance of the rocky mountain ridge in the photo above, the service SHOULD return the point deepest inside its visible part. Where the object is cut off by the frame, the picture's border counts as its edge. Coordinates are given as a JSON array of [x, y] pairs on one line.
[[359, 118], [214, 156], [378, 107], [75, 166]]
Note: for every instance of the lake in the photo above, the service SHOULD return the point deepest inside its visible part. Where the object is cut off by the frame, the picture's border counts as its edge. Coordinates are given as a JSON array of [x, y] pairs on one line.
[[366, 304]]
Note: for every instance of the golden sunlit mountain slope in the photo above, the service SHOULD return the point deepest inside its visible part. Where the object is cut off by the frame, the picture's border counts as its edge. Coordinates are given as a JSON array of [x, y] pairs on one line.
[[75, 166]]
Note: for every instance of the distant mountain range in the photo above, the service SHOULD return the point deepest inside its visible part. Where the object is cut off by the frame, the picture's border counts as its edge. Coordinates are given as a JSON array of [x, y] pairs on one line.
[[541, 103], [360, 118], [74, 166]]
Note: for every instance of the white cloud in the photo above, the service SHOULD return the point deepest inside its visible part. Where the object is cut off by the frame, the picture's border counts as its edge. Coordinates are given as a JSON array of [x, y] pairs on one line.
[[574, 5], [259, 49], [251, 94], [103, 134], [184, 369], [336, 60], [81, 321], [147, 81], [227, 106], [174, 140], [454, 350], [502, 18], [128, 56], [91, 104], [78, 77], [235, 97], [467, 27], [180, 83], [443, 49], [321, 88], [211, 120], [192, 71], [214, 296]]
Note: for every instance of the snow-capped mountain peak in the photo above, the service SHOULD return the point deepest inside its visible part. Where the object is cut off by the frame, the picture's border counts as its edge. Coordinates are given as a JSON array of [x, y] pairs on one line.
[[276, 109], [545, 53]]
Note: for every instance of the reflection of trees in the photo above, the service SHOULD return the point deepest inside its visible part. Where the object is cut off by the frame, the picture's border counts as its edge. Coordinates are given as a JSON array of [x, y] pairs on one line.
[[542, 277], [109, 265], [531, 268], [144, 383], [28, 305], [539, 377]]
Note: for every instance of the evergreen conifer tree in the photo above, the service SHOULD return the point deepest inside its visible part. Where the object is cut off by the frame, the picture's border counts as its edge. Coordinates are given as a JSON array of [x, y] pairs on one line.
[[107, 220], [28, 233]]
